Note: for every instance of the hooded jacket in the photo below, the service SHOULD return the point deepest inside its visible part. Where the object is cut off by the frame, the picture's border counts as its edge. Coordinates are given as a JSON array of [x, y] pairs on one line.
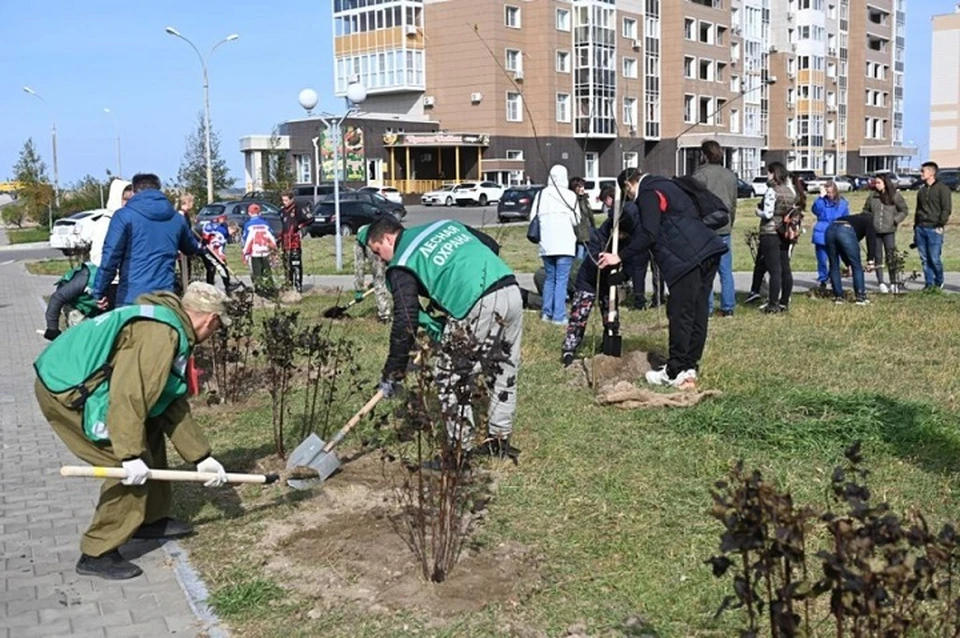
[[827, 211], [559, 213], [886, 217], [142, 244]]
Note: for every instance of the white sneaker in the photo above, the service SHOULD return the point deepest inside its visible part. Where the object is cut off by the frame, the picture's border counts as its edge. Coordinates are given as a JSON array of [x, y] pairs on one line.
[[884, 288], [686, 380], [658, 376]]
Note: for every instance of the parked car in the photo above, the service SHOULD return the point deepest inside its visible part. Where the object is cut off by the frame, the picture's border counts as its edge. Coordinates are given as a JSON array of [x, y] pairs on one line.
[[744, 189], [903, 182], [304, 197], [262, 196], [859, 182], [441, 197], [950, 177], [517, 202], [477, 193], [354, 213], [236, 212], [813, 182], [387, 192], [843, 184], [759, 186], [398, 210], [593, 187], [72, 231]]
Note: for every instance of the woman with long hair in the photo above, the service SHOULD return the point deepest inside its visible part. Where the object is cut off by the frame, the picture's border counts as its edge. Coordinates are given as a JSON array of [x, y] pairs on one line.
[[889, 209], [829, 207], [785, 196]]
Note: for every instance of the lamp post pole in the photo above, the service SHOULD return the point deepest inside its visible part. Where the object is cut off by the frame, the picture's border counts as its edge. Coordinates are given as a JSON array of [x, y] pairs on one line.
[[116, 128], [206, 100], [53, 139]]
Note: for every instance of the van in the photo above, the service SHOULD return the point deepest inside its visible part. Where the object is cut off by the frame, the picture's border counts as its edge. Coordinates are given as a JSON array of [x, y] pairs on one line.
[[594, 185]]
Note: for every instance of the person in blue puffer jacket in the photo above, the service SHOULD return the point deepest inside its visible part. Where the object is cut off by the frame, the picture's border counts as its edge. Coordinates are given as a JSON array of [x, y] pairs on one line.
[[142, 242], [829, 207]]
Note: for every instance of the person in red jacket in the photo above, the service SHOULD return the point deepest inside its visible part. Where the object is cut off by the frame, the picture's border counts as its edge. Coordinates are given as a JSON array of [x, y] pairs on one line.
[[294, 221]]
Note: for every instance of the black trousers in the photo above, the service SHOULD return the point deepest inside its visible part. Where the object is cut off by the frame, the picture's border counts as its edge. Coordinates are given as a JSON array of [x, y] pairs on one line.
[[887, 246], [687, 313], [774, 258], [639, 279], [295, 269]]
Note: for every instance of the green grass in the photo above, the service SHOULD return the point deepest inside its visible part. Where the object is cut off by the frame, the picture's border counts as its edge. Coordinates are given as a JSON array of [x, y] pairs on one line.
[[27, 235], [48, 267], [614, 501]]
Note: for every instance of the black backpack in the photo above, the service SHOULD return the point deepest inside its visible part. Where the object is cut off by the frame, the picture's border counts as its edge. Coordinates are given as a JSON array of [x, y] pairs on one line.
[[713, 212]]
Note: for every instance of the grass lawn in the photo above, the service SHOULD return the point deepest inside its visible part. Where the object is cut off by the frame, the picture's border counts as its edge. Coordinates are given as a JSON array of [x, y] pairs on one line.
[[27, 235], [614, 502], [49, 267], [319, 255]]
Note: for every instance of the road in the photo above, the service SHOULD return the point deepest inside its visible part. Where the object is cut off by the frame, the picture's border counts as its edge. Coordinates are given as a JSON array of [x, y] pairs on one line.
[[13, 253]]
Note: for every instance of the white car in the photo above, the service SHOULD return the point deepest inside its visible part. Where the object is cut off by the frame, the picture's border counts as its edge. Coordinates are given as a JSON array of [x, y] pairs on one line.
[[594, 186], [843, 184], [71, 232], [478, 193], [388, 192], [441, 197], [759, 185]]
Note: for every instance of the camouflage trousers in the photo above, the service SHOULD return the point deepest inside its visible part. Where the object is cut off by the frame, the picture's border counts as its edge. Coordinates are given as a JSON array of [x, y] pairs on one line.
[[379, 271]]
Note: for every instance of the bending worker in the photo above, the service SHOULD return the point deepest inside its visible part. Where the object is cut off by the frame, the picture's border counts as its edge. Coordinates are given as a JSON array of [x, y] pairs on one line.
[[73, 292], [457, 269], [112, 388]]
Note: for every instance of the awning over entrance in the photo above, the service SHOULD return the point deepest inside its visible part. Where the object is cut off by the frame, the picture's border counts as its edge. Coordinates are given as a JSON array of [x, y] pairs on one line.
[[888, 151], [435, 139], [726, 140], [420, 162]]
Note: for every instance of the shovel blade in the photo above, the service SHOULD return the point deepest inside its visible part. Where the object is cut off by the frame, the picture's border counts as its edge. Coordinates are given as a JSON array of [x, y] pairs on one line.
[[310, 454], [612, 345]]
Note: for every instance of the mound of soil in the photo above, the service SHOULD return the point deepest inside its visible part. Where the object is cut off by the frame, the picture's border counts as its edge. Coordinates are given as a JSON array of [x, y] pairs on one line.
[[345, 546]]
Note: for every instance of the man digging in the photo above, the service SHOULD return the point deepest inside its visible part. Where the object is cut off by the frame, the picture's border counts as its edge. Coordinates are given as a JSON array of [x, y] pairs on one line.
[[111, 388]]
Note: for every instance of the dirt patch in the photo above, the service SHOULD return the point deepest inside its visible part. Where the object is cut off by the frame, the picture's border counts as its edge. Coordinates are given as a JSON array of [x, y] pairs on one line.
[[345, 547]]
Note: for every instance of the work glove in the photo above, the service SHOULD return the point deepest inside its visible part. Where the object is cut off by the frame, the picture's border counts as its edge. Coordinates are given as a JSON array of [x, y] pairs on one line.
[[212, 465], [136, 471], [390, 387], [50, 334], [358, 295]]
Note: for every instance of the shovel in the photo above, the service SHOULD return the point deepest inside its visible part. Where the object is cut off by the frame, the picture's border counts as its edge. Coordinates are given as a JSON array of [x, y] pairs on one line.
[[86, 471], [338, 311], [314, 454]]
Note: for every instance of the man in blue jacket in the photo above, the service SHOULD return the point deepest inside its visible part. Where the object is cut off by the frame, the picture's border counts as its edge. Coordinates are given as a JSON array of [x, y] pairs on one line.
[[142, 242]]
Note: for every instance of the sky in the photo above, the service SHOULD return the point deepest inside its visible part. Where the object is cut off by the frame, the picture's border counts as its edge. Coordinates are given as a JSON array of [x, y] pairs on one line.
[[115, 55]]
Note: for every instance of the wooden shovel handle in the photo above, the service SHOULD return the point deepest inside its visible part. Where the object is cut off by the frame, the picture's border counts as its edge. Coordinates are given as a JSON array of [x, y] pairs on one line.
[[86, 471], [345, 430]]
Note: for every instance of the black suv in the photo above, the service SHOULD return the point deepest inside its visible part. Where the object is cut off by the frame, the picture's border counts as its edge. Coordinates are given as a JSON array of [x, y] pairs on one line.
[[303, 194], [950, 177], [398, 210], [354, 213], [517, 202]]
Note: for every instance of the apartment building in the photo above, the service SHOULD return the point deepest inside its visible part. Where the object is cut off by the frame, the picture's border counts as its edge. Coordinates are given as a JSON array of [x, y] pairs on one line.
[[945, 90], [515, 86]]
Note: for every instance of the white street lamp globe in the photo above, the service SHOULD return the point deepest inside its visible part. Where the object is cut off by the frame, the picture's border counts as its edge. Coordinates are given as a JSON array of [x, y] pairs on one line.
[[308, 99], [356, 92]]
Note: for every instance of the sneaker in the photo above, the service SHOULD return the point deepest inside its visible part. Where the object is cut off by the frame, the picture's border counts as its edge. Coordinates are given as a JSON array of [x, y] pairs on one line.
[[110, 566], [752, 297], [763, 307], [839, 301], [772, 309], [686, 380], [884, 289], [941, 286], [566, 359], [725, 314], [163, 528], [546, 319], [862, 301], [657, 376], [497, 448]]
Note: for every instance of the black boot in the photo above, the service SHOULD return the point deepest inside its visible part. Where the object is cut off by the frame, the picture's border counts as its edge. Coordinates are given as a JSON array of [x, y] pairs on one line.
[[163, 528], [111, 566], [498, 448]]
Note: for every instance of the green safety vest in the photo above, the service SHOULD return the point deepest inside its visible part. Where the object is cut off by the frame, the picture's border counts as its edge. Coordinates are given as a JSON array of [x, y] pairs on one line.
[[79, 359], [452, 265], [85, 303]]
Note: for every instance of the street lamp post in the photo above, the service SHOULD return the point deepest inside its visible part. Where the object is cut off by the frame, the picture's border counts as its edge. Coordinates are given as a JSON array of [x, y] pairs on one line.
[[206, 99], [116, 127], [356, 94], [53, 138]]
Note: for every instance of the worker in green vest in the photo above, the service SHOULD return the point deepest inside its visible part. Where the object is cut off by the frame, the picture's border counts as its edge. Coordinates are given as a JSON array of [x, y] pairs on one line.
[[458, 270], [73, 291], [112, 387]]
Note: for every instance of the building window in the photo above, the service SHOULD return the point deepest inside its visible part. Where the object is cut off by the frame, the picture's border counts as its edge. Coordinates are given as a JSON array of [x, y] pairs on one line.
[[630, 113], [631, 159], [511, 17], [304, 168], [706, 70], [689, 26], [563, 107], [512, 61], [688, 62], [630, 67], [734, 121], [688, 108], [514, 107], [630, 29], [704, 113], [718, 113], [514, 154], [563, 62], [563, 19], [706, 32], [591, 165]]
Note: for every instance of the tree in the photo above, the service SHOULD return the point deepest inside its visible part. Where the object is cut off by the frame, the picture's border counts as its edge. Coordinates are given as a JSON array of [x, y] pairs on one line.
[[192, 176], [35, 192], [88, 193], [277, 171]]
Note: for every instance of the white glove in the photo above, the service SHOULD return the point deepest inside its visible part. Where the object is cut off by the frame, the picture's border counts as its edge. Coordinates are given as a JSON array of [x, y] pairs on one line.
[[212, 465], [136, 472]]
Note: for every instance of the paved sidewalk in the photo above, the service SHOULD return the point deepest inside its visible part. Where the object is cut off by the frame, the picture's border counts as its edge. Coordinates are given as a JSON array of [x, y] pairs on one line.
[[42, 515]]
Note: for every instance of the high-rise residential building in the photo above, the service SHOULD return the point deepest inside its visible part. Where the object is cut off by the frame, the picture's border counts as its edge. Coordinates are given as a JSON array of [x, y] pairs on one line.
[[503, 89], [945, 90]]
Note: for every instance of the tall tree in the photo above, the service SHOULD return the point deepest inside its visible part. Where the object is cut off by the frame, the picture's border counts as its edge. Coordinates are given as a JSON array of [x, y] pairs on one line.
[[192, 176], [277, 170], [35, 192]]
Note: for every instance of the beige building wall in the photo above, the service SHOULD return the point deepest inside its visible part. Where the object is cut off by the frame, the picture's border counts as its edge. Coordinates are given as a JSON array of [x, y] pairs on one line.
[[945, 90]]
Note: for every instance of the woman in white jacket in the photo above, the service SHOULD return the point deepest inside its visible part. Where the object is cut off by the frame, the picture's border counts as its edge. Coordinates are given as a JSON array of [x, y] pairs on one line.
[[556, 206]]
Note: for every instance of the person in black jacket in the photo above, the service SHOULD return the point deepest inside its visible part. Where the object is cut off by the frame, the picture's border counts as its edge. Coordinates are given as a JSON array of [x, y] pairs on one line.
[[843, 243], [688, 254], [293, 221]]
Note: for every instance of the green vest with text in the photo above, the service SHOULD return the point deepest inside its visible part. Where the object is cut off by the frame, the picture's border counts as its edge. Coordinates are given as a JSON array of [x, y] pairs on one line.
[[85, 303], [80, 360], [452, 265]]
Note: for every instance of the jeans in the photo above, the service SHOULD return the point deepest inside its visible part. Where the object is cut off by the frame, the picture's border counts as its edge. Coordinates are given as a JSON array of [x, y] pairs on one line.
[[555, 287], [842, 243], [728, 292], [775, 254], [930, 244], [823, 263], [687, 314], [886, 246]]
